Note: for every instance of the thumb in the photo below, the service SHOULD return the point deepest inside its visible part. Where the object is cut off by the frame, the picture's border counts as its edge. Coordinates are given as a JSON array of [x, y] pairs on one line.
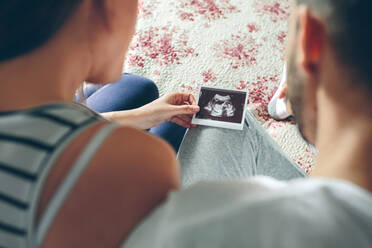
[[185, 109]]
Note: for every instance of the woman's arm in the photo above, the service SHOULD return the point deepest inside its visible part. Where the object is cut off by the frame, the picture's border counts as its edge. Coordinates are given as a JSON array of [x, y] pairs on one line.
[[177, 107], [134, 118]]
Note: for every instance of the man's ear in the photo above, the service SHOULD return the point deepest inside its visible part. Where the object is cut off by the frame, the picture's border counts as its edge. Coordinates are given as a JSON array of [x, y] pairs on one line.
[[311, 39]]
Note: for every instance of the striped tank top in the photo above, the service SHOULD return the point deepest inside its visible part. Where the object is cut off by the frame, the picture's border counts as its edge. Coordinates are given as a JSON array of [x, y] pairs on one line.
[[30, 143]]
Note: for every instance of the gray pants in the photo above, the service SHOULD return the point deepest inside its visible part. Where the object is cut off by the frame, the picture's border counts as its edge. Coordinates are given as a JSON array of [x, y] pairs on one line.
[[210, 153]]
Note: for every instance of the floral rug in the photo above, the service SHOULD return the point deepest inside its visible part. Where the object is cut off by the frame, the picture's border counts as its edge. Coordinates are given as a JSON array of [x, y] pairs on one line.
[[233, 44]]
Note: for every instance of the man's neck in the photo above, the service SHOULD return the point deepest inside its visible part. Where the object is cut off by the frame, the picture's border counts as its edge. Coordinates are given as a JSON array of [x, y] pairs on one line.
[[344, 143]]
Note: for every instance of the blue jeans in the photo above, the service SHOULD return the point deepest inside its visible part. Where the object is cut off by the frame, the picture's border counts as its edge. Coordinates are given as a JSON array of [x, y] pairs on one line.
[[131, 92]]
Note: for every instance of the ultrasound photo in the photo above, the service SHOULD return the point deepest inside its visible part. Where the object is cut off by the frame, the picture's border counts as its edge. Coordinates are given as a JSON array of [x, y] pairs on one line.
[[221, 108]]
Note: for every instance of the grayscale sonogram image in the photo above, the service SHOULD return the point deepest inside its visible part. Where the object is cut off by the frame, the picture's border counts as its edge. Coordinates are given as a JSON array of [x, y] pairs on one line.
[[221, 105]]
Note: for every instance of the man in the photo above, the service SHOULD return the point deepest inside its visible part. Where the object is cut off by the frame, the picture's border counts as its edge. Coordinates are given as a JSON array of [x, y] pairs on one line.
[[329, 87]]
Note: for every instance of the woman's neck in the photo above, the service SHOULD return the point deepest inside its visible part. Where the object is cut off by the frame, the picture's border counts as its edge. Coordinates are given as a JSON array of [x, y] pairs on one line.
[[50, 74]]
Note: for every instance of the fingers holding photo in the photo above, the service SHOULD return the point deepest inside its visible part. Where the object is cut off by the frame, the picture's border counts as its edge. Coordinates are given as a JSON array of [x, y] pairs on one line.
[[181, 98], [183, 120]]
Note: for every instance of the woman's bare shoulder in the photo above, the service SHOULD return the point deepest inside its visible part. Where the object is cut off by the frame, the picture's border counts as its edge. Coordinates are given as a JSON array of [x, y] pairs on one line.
[[133, 146], [130, 175]]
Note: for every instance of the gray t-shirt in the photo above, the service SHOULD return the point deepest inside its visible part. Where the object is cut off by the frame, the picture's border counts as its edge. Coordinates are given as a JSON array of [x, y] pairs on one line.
[[260, 212]]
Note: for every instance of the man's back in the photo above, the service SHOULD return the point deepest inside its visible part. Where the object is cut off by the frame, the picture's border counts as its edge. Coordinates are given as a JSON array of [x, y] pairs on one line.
[[261, 212]]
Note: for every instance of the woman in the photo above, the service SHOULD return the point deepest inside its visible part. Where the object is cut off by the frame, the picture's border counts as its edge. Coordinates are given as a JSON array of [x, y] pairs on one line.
[[68, 177]]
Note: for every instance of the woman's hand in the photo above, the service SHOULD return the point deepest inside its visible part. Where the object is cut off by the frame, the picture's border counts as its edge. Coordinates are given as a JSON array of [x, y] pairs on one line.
[[177, 107]]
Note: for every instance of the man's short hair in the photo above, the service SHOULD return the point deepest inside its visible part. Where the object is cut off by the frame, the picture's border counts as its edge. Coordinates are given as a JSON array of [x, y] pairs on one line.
[[350, 29]]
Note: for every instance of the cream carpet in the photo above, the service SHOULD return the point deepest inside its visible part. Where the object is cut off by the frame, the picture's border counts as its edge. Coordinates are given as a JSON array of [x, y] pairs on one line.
[[183, 44]]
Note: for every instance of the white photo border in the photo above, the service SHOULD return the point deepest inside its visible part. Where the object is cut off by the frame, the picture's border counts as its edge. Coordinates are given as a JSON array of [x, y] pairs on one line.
[[222, 124]]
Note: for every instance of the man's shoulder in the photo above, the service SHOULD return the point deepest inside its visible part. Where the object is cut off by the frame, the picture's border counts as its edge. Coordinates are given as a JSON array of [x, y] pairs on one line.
[[300, 197], [323, 212], [267, 213]]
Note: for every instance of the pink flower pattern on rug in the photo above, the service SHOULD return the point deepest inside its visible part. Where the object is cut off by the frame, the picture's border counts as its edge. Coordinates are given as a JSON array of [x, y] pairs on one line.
[[207, 9], [146, 8], [253, 27], [166, 45], [209, 76], [240, 49], [183, 44], [260, 94], [276, 10]]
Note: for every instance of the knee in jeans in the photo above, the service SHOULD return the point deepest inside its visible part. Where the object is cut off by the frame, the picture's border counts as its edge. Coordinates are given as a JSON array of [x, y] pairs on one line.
[[147, 87], [150, 89]]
